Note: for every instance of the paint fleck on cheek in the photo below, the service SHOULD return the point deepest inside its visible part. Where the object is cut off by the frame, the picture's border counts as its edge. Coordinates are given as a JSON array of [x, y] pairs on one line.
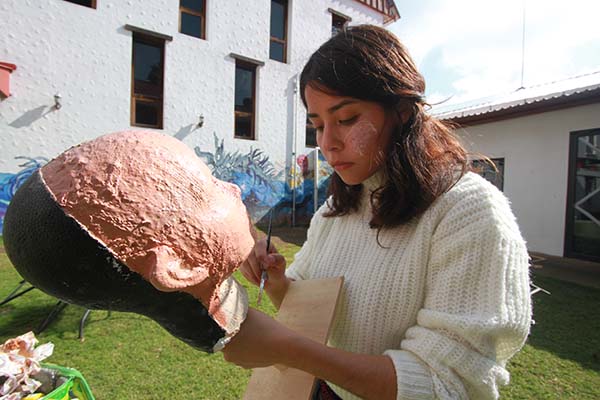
[[360, 137]]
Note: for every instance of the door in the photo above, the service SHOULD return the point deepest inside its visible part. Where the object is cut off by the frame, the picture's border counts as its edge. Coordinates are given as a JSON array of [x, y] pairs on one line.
[[582, 236]]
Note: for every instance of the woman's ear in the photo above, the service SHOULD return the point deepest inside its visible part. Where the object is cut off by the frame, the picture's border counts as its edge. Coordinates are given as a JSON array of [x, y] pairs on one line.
[[405, 116], [403, 113], [166, 271]]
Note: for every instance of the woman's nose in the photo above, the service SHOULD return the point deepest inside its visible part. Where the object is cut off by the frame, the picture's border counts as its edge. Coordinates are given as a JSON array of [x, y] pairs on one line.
[[329, 139]]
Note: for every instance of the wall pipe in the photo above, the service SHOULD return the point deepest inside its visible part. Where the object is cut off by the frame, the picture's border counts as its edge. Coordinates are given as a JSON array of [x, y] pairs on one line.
[[294, 144]]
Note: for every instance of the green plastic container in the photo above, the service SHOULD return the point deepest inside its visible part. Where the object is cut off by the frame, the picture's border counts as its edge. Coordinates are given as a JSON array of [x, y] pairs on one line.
[[75, 386]]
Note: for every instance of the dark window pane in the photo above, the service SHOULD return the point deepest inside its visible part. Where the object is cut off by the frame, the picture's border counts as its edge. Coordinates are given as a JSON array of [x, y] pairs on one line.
[[191, 25], [276, 51], [337, 24], [492, 173], [243, 126], [146, 113], [311, 137], [244, 89], [87, 3], [196, 5], [311, 134], [278, 19], [148, 62]]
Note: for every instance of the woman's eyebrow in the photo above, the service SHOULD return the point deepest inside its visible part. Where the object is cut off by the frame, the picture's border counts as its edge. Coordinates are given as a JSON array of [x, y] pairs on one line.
[[334, 108]]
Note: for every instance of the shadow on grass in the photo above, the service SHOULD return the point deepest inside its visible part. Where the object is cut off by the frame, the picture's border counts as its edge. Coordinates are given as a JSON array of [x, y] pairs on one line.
[[567, 322], [286, 235], [17, 320]]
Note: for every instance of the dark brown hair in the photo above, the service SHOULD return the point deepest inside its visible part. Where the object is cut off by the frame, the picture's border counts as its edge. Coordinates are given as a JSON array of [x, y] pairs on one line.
[[424, 158]]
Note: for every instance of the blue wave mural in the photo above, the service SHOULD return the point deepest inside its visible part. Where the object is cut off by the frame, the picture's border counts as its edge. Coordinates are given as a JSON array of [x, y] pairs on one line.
[[9, 183], [289, 192]]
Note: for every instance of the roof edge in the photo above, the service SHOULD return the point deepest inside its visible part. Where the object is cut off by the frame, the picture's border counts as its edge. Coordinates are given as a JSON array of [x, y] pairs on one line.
[[535, 107]]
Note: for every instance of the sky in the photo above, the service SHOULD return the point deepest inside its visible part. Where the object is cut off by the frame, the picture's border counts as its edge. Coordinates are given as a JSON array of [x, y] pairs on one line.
[[472, 49]]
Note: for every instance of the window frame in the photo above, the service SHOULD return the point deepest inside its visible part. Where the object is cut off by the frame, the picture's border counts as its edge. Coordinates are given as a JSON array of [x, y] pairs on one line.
[[202, 16], [92, 4], [310, 127], [481, 165], [338, 15], [285, 31], [247, 65], [144, 97]]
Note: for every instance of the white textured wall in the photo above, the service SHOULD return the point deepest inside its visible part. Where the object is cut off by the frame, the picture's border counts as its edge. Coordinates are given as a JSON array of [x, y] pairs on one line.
[[536, 153], [85, 55]]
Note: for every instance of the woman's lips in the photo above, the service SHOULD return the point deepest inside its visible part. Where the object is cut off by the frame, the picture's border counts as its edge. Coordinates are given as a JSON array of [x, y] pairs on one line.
[[342, 166]]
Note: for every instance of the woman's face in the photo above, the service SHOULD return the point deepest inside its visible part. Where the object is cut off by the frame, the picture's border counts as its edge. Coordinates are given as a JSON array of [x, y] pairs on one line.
[[353, 134]]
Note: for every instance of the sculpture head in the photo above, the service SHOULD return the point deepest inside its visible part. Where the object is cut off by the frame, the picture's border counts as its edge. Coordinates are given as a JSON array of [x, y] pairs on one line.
[[129, 219]]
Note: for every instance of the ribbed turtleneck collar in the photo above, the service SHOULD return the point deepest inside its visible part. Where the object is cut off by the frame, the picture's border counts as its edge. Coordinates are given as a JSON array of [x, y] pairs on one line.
[[372, 183]]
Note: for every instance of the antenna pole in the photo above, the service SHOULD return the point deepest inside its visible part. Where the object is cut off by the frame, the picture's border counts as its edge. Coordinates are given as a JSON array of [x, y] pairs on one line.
[[523, 48]]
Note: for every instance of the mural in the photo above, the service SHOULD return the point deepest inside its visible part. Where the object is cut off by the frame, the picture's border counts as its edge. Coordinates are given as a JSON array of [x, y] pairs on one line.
[[262, 187], [9, 183], [289, 192]]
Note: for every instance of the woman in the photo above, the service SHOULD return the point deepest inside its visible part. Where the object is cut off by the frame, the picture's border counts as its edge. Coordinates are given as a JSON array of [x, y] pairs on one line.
[[436, 289]]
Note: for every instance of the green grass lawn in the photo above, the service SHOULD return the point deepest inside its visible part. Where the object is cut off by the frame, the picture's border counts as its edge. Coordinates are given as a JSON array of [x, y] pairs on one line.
[[127, 356]]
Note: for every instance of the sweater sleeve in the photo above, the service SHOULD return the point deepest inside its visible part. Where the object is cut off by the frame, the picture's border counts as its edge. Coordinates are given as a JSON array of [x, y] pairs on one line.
[[476, 312]]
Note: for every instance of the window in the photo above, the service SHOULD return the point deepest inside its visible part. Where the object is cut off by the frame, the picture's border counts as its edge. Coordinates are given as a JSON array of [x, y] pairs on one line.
[[192, 18], [311, 134], [86, 3], [147, 85], [245, 84], [278, 46], [495, 175], [338, 23]]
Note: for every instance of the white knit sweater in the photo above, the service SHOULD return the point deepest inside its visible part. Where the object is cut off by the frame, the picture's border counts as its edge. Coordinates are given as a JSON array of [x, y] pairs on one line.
[[447, 298]]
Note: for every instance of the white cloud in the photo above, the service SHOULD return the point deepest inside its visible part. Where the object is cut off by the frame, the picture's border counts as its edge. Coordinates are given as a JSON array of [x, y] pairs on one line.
[[480, 43]]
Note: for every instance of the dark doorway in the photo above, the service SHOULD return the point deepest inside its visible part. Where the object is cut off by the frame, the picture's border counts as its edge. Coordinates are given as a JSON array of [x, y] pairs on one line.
[[582, 236]]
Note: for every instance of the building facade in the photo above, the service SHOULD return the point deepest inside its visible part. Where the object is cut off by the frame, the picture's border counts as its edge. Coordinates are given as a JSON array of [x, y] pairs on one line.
[[545, 141], [221, 76]]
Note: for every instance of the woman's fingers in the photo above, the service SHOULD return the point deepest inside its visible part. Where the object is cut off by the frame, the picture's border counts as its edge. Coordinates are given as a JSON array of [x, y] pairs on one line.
[[254, 267], [258, 260]]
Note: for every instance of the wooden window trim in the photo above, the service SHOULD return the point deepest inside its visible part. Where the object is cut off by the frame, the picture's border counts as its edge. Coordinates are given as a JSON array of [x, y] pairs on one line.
[[93, 4], [247, 60], [202, 16], [339, 14], [154, 41], [253, 67], [148, 33], [285, 33]]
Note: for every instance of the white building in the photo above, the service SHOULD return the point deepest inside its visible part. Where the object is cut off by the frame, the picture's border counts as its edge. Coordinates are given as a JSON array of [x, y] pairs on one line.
[[546, 143], [208, 72]]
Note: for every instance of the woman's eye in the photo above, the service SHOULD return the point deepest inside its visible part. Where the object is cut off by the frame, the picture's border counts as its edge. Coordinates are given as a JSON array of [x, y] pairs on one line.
[[348, 121]]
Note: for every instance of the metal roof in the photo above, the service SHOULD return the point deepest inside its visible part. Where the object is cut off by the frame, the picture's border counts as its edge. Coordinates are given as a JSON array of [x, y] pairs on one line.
[[386, 7], [573, 91]]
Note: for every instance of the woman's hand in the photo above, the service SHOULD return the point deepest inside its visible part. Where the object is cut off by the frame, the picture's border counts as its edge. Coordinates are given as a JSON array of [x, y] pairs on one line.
[[262, 342], [259, 341], [274, 263]]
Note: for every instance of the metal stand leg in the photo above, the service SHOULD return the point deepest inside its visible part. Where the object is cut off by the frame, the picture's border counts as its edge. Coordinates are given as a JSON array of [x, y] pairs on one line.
[[13, 295], [52, 316], [82, 323]]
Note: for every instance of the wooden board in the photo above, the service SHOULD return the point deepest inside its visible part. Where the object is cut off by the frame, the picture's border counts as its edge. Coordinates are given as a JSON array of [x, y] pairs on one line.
[[308, 308]]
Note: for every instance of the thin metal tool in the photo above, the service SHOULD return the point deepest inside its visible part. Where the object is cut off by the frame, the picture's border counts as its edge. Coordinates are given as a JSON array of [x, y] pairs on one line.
[[264, 276]]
